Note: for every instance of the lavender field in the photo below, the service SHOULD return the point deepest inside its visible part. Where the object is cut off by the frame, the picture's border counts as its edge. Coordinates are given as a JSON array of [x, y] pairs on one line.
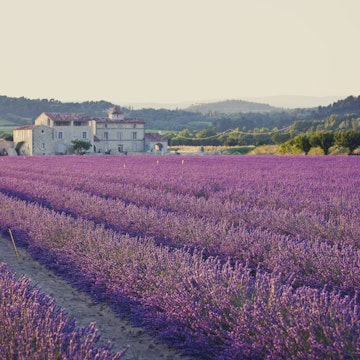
[[254, 257], [33, 327]]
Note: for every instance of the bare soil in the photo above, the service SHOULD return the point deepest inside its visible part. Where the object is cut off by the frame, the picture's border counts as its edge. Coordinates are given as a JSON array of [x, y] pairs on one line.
[[80, 306]]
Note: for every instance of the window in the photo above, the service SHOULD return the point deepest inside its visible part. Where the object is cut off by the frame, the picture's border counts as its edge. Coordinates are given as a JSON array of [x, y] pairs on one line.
[[42, 146], [60, 135], [84, 135], [134, 135], [119, 135], [62, 123], [106, 135], [120, 148], [134, 126], [77, 123]]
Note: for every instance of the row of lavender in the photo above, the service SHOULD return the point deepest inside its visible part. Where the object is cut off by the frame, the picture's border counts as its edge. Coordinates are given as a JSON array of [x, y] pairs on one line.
[[33, 327], [198, 177], [141, 173], [318, 192], [274, 223], [200, 306]]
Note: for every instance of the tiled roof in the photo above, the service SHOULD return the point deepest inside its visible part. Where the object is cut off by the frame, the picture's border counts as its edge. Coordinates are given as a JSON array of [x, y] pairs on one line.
[[67, 117], [26, 127], [120, 121]]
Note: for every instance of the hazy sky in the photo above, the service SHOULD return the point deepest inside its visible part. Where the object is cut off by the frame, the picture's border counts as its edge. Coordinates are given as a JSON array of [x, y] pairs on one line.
[[178, 50]]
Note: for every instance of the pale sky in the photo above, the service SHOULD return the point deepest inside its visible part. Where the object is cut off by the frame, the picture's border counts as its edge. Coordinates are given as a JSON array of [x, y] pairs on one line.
[[178, 50]]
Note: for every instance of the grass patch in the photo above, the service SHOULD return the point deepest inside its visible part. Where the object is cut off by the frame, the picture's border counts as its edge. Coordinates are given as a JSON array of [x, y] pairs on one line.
[[225, 150], [241, 150], [265, 150]]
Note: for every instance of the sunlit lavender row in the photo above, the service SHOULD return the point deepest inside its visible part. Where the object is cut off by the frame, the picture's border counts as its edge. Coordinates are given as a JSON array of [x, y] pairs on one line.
[[315, 190], [202, 305], [33, 327], [275, 222]]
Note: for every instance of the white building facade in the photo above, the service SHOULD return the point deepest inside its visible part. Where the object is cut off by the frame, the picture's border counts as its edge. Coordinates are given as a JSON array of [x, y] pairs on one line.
[[53, 133]]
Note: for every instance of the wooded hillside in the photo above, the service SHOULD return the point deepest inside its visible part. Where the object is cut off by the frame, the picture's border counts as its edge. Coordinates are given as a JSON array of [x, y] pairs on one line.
[[231, 107], [22, 111], [343, 113]]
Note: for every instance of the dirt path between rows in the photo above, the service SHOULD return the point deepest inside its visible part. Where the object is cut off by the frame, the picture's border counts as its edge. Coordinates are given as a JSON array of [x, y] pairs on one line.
[[80, 306]]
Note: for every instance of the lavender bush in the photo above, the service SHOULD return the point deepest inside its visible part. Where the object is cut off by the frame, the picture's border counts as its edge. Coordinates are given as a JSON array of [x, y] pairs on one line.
[[33, 327], [232, 257], [292, 228]]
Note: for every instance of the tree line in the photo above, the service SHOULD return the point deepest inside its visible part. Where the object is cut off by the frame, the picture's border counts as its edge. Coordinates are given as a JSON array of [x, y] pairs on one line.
[[348, 139], [339, 129], [303, 142], [23, 111]]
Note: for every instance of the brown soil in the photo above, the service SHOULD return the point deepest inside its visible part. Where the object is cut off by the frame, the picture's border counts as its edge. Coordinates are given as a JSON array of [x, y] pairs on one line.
[[80, 306]]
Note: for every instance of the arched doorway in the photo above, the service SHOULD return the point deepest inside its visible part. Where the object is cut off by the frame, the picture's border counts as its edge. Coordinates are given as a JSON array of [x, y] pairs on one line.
[[20, 148]]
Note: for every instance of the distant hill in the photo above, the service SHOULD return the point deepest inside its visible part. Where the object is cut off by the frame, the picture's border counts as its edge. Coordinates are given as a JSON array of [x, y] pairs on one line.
[[231, 107], [295, 101], [279, 101]]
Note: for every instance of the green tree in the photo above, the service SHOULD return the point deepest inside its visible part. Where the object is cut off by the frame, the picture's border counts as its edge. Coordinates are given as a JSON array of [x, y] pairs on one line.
[[323, 139], [332, 122], [279, 138], [206, 133], [302, 142], [184, 137], [287, 147], [81, 145], [184, 134], [348, 139], [8, 137], [233, 138]]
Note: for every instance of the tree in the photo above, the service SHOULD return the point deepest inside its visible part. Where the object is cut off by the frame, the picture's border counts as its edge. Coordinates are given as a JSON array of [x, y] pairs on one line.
[[332, 122], [264, 130], [184, 134], [81, 145], [279, 138], [323, 139], [8, 137], [302, 142], [184, 137], [206, 133], [232, 138], [348, 139]]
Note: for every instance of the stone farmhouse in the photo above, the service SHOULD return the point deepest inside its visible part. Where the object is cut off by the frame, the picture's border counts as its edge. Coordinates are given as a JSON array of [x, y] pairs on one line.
[[53, 133]]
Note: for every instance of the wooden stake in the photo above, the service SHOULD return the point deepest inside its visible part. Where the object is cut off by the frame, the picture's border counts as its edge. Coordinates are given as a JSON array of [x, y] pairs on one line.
[[15, 248]]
